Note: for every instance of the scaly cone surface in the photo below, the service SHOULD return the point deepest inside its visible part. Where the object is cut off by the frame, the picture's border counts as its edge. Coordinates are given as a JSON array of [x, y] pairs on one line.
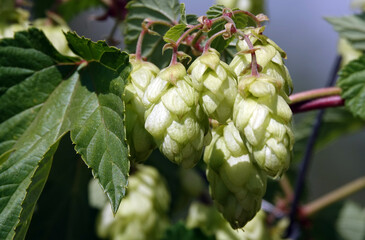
[[141, 143], [263, 118], [236, 184], [142, 213], [217, 84], [174, 118], [261, 111]]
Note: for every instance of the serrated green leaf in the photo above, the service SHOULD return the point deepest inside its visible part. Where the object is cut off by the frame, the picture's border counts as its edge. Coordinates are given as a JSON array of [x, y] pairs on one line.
[[138, 11], [351, 222], [192, 19], [110, 57], [336, 123], [183, 14], [173, 34], [215, 11], [352, 82], [352, 28], [46, 103], [240, 20], [100, 138]]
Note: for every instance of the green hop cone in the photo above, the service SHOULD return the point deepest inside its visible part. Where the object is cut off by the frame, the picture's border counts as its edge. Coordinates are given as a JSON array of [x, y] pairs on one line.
[[263, 117], [217, 84], [141, 143], [236, 184], [174, 118], [211, 222], [142, 214], [269, 58]]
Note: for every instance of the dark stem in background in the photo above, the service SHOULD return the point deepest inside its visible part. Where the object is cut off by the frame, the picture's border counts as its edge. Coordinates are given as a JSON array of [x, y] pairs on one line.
[[110, 39], [293, 233]]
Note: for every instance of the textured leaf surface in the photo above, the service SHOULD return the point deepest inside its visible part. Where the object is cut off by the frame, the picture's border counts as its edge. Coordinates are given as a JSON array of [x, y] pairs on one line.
[[39, 107], [183, 14], [351, 222], [352, 81], [138, 11], [352, 28], [336, 123], [173, 34]]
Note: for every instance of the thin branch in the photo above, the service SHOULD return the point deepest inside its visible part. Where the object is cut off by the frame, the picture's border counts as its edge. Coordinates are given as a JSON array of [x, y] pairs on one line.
[[319, 103], [313, 94], [332, 197], [110, 39], [210, 40], [307, 158], [287, 188]]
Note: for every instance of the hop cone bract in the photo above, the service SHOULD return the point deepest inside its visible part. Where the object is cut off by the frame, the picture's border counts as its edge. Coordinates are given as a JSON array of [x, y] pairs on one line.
[[236, 184], [269, 58], [217, 84], [174, 118], [142, 214], [140, 142], [263, 117]]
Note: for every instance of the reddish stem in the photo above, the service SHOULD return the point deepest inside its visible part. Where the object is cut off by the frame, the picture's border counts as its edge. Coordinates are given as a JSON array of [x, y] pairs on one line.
[[254, 68], [252, 16], [316, 93], [174, 56], [210, 40], [320, 103], [145, 30]]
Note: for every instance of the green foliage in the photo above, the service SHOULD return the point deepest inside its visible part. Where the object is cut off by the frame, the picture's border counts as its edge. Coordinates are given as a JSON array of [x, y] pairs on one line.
[[336, 123], [183, 14], [352, 82], [173, 34], [52, 96], [352, 28], [180, 232], [138, 11]]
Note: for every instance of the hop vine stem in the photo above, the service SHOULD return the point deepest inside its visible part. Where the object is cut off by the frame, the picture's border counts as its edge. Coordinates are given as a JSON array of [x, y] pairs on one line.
[[306, 160], [332, 197]]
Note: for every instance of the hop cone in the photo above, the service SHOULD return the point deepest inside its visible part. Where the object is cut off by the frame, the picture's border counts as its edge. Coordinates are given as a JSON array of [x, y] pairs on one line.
[[211, 222], [263, 117], [269, 59], [140, 142], [142, 213], [236, 184], [217, 84], [174, 117]]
